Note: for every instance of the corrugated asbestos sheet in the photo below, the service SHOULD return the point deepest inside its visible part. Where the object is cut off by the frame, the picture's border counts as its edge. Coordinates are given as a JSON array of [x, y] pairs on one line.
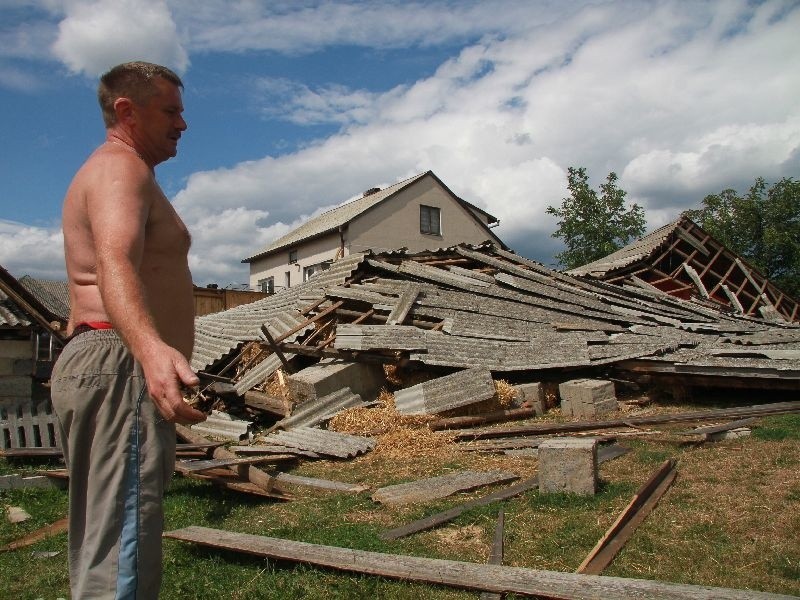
[[372, 337], [53, 295], [445, 393], [434, 488], [314, 412], [321, 441], [218, 334], [259, 373], [12, 315]]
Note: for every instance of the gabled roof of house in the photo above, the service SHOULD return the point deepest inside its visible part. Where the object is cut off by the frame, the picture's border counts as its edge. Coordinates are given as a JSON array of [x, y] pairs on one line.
[[342, 215], [684, 260]]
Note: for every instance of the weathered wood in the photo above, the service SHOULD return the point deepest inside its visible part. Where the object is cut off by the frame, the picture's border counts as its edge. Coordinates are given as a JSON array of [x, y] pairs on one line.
[[496, 553], [707, 415], [265, 402], [642, 504], [495, 578], [321, 484], [222, 478], [59, 526], [433, 488], [286, 366], [603, 455], [197, 466], [448, 515], [719, 428], [253, 474], [490, 417]]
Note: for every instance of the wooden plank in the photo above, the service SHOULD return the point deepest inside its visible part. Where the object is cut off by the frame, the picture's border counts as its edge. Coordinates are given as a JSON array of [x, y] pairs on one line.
[[59, 526], [491, 417], [719, 428], [463, 575], [708, 415], [321, 484], [238, 486], [642, 504], [434, 488], [603, 455], [496, 553], [403, 306], [197, 466], [448, 515], [253, 474]]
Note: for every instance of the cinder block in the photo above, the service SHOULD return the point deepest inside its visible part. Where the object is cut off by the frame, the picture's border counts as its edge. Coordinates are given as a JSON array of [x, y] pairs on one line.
[[568, 465], [533, 394], [328, 376], [16, 349], [587, 398], [16, 387]]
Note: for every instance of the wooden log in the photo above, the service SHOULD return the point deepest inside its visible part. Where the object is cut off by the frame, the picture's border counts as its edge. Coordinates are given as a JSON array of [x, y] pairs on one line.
[[642, 504], [265, 402], [463, 575], [719, 428]]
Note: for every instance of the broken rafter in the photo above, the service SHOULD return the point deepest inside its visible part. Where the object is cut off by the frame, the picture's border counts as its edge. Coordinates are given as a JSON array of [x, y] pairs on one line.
[[642, 504]]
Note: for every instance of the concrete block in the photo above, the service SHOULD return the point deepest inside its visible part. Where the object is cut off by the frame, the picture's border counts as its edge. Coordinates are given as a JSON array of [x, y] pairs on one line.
[[587, 398], [533, 395], [568, 465], [331, 375], [16, 349], [16, 387]]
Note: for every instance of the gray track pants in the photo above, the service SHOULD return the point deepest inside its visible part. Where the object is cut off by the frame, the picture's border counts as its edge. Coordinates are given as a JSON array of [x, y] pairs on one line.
[[120, 454]]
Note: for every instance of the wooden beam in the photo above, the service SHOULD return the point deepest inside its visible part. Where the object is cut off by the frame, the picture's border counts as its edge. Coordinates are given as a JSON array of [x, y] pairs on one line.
[[706, 415], [496, 553], [463, 575], [286, 366], [642, 504]]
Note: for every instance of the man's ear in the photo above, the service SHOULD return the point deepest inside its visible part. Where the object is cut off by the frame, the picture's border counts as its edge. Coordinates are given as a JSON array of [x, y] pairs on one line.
[[123, 107]]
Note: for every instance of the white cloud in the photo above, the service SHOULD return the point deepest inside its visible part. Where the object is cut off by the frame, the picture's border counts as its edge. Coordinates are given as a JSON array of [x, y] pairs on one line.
[[30, 250], [97, 35]]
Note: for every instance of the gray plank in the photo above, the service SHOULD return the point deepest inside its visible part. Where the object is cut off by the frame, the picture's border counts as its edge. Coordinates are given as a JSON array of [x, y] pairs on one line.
[[495, 578], [434, 488]]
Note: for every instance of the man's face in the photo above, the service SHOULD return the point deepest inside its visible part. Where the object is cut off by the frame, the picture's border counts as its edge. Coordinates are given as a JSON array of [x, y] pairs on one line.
[[160, 123]]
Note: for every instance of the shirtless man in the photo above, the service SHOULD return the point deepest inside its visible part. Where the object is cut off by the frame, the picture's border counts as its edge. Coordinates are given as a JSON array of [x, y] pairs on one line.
[[117, 385]]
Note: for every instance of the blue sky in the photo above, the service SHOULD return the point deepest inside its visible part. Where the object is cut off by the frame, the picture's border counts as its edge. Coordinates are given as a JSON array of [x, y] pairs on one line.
[[297, 106]]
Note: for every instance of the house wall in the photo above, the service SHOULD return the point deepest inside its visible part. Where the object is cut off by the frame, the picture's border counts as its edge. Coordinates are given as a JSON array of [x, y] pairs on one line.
[[395, 223], [392, 224], [309, 253]]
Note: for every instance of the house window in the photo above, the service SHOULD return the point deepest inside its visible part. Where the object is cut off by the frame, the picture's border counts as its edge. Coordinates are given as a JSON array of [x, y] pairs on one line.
[[267, 285], [292, 256], [313, 269], [430, 220], [287, 279]]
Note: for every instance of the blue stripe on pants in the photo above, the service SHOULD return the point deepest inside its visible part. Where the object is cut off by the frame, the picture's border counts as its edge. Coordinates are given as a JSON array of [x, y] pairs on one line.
[[127, 575]]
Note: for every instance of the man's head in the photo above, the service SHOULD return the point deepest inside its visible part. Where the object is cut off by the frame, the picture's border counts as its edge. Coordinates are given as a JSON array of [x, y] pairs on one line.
[[134, 80]]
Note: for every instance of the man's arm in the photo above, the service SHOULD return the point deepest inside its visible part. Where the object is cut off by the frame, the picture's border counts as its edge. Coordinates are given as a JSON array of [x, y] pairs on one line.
[[118, 207]]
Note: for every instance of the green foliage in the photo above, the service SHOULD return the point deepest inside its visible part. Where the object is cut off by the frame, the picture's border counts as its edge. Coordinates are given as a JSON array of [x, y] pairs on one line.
[[594, 226], [762, 226]]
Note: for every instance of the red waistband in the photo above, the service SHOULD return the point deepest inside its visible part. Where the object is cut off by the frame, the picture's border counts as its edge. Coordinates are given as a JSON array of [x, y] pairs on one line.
[[95, 325]]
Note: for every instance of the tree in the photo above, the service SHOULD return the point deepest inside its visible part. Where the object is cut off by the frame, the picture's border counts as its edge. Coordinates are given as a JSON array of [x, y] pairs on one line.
[[593, 227], [763, 227]]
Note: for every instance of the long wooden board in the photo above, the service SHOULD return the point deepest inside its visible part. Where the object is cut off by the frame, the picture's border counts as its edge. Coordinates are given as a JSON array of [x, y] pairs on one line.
[[481, 577]]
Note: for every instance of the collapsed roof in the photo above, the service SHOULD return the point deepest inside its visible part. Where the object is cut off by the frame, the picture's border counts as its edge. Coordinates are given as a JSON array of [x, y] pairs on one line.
[[485, 307], [683, 260]]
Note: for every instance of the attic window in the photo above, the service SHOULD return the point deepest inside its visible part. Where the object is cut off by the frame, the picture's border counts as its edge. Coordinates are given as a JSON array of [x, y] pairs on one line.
[[430, 221], [292, 256]]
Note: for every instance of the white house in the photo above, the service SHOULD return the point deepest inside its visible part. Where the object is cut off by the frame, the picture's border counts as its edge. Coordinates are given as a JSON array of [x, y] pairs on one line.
[[420, 213]]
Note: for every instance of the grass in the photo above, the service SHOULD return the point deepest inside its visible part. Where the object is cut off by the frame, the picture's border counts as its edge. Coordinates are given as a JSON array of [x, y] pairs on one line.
[[731, 519]]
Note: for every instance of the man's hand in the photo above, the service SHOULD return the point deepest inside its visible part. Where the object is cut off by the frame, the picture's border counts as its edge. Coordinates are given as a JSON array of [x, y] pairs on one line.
[[166, 372]]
